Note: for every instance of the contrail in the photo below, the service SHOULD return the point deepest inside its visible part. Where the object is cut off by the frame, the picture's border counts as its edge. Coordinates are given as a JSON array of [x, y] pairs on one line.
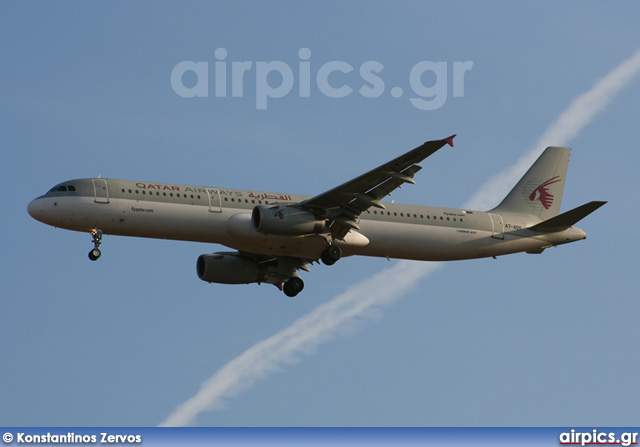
[[359, 301], [364, 299]]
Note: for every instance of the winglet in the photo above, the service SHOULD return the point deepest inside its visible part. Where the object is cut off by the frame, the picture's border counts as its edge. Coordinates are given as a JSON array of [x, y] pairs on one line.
[[449, 140]]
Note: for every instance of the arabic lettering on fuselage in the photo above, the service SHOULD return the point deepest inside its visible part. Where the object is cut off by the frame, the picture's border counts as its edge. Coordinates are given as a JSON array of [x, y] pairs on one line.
[[264, 196]]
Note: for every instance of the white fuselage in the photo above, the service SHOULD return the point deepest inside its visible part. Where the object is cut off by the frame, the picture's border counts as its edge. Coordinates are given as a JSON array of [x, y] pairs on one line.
[[202, 214]]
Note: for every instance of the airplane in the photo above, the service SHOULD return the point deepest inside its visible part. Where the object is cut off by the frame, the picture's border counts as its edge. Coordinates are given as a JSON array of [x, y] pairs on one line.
[[275, 235]]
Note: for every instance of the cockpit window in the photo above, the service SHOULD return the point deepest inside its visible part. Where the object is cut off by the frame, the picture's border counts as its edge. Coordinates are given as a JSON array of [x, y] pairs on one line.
[[62, 188]]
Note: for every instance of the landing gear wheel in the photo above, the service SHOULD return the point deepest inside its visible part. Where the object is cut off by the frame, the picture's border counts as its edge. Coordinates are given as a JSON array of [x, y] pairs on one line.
[[293, 287], [94, 254], [97, 240], [331, 254]]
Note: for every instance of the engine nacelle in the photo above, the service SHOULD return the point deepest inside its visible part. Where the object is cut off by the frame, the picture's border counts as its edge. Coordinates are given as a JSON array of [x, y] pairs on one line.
[[228, 268], [285, 221]]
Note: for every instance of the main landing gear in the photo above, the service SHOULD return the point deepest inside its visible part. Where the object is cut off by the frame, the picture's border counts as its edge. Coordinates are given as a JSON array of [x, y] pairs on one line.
[[293, 286], [97, 240], [331, 255]]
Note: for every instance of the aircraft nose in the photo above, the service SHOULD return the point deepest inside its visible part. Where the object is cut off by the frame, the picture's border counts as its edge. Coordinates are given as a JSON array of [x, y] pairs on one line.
[[35, 209]]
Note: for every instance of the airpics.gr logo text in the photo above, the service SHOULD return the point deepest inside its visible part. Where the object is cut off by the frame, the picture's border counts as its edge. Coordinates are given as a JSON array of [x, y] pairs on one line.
[[429, 81]]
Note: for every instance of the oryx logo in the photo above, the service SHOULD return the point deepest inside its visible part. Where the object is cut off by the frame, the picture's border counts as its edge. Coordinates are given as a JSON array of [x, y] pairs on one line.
[[280, 214], [542, 192]]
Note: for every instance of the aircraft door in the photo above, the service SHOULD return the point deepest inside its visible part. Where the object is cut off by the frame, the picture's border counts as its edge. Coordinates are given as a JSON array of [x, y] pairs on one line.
[[498, 226], [101, 190], [215, 204]]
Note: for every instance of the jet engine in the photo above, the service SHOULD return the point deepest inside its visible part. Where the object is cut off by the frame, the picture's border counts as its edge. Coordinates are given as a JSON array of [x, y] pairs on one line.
[[228, 268], [285, 221]]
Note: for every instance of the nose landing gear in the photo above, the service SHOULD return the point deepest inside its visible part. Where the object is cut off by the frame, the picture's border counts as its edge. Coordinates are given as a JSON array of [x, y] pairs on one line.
[[97, 240]]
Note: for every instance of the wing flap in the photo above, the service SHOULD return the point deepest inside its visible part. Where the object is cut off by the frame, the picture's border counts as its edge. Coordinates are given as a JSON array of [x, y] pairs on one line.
[[396, 180]]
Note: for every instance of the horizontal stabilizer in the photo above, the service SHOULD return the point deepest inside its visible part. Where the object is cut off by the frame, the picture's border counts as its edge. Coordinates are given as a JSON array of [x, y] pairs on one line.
[[566, 220]]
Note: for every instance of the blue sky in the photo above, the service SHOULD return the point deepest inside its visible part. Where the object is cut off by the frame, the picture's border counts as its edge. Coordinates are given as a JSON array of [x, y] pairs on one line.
[[522, 340]]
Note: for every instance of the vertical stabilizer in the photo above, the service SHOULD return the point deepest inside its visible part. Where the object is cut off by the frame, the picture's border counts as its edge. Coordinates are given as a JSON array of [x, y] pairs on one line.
[[539, 191]]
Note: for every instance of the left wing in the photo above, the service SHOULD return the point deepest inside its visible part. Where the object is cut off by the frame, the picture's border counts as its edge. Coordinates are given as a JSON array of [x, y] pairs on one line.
[[342, 205]]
